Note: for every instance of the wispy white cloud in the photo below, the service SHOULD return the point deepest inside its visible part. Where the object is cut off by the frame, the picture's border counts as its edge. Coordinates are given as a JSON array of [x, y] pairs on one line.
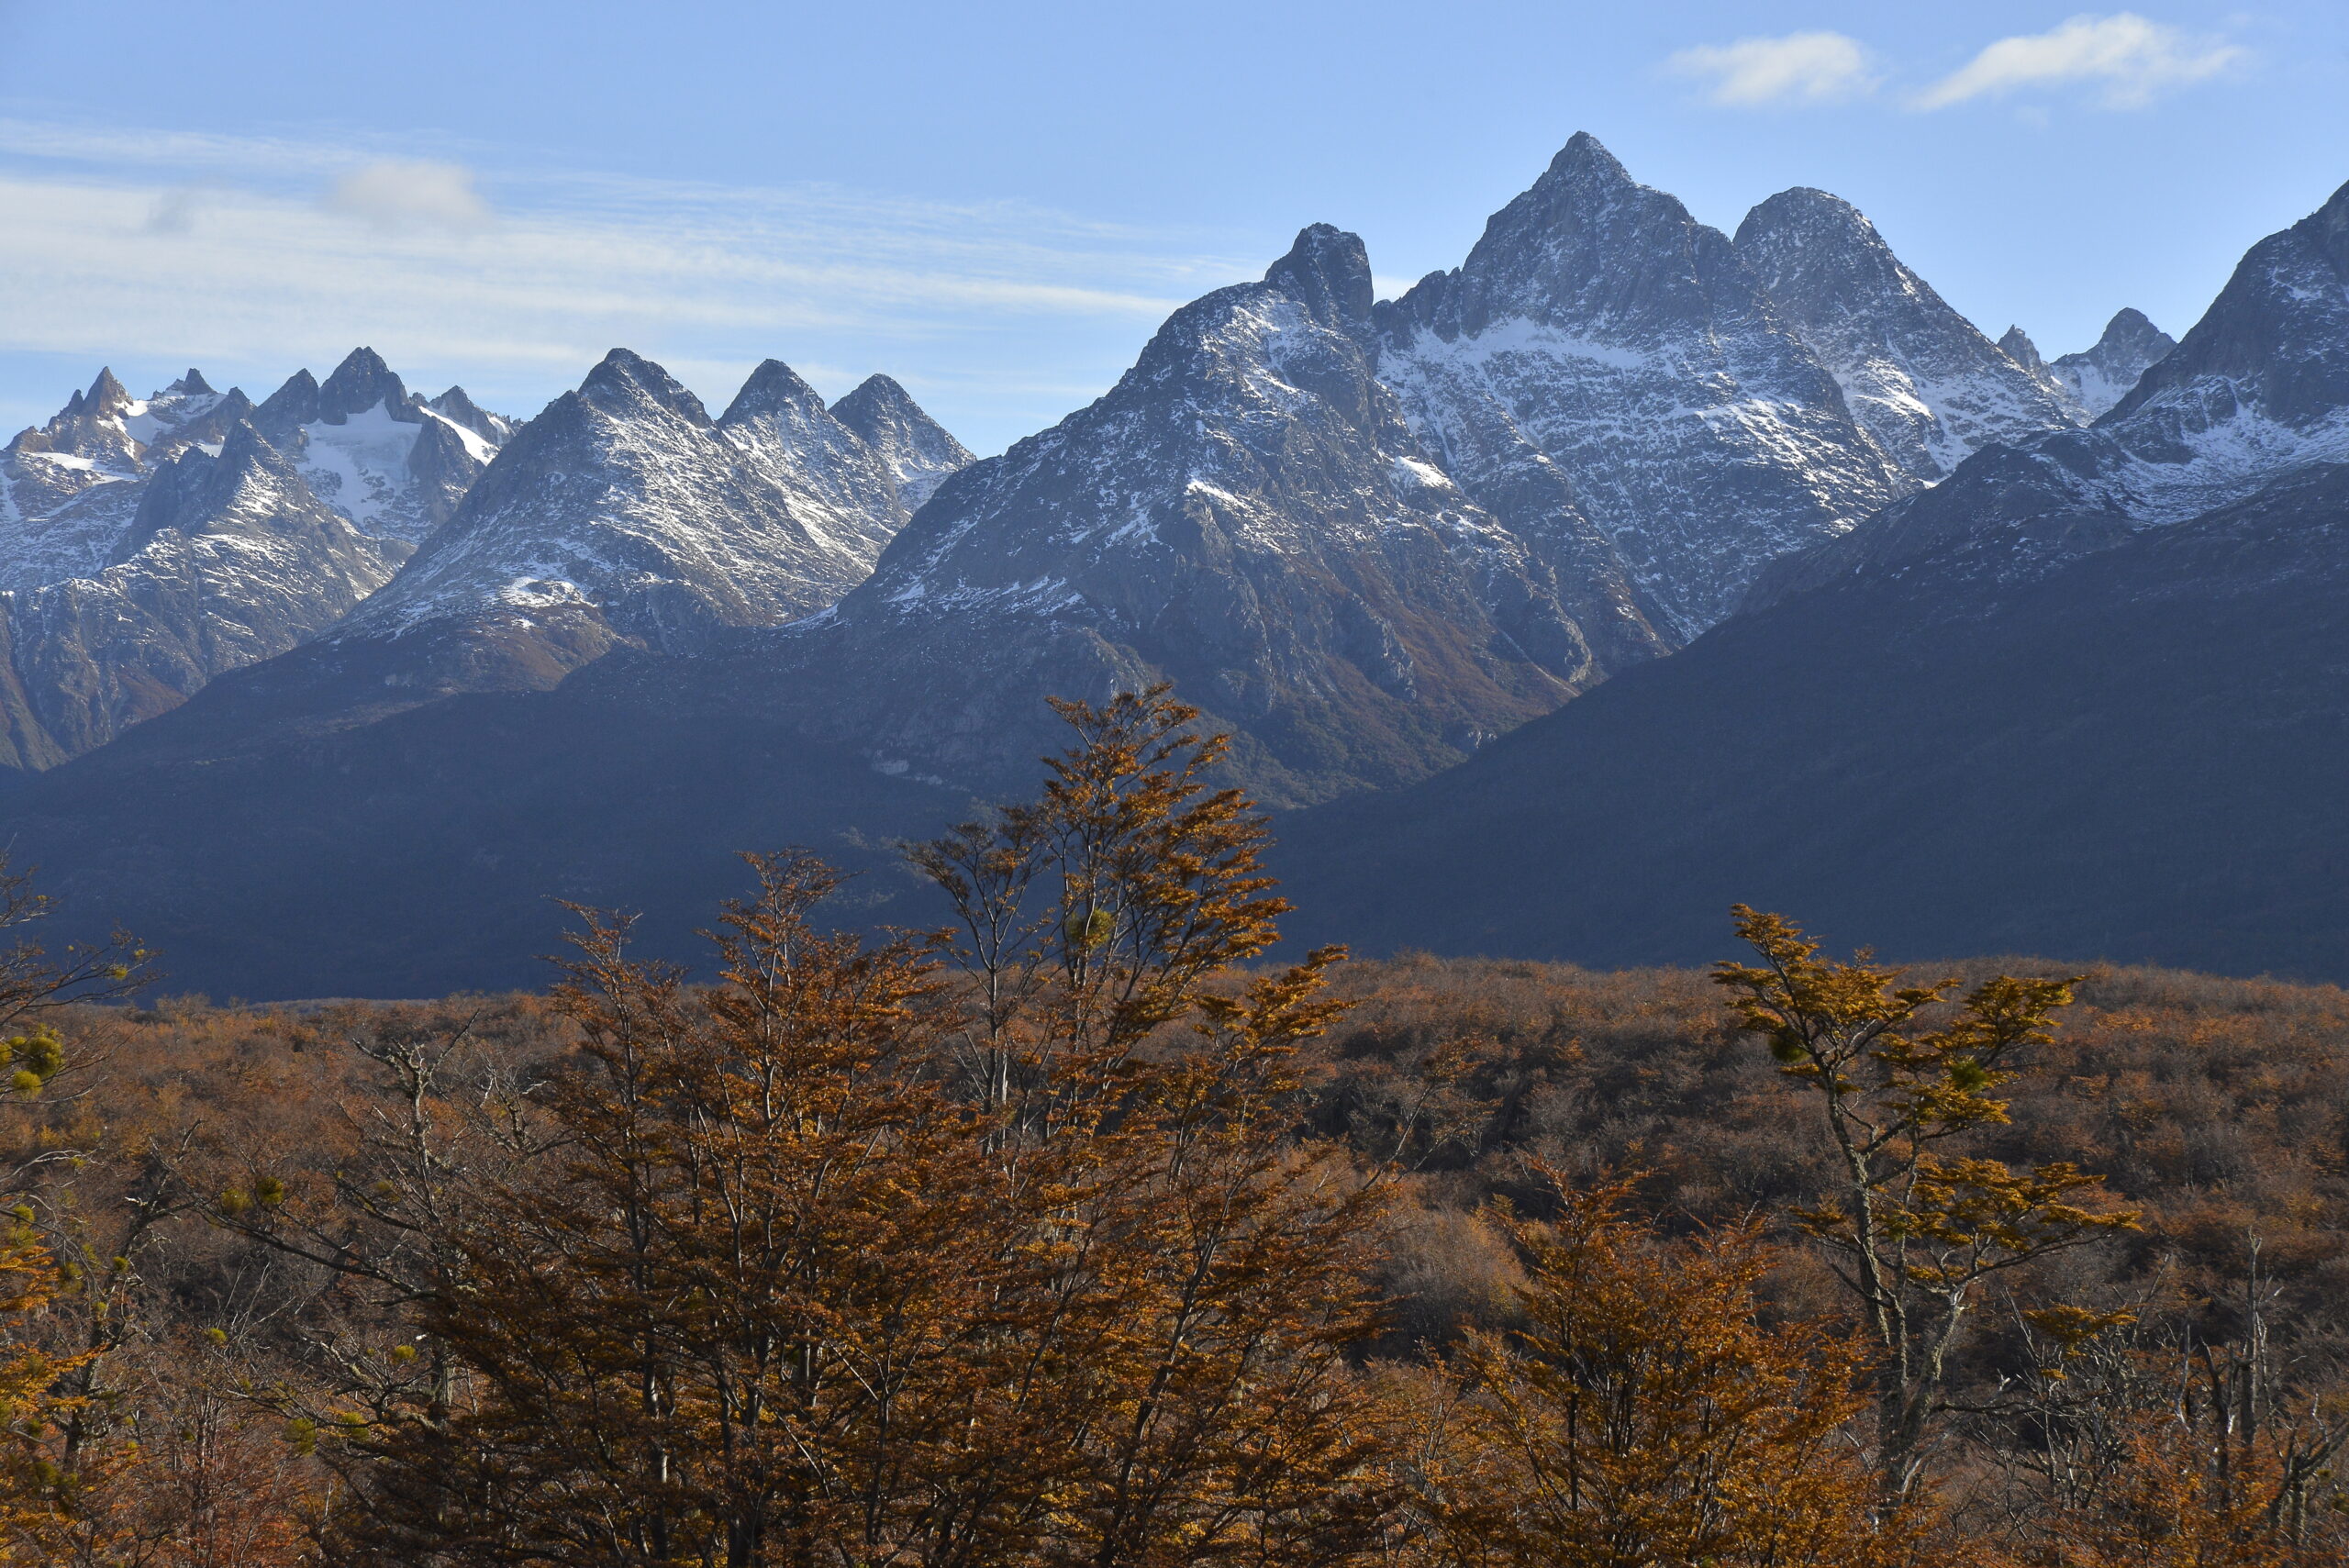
[[273, 254], [1798, 68], [410, 192], [2131, 60]]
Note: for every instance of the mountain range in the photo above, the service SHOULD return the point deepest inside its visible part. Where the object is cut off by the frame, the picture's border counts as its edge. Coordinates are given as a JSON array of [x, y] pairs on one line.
[[1536, 598]]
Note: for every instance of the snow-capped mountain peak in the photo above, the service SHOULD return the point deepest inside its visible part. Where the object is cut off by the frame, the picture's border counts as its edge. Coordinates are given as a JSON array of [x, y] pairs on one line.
[[70, 489], [837, 485], [917, 449], [454, 405], [2101, 375], [367, 447], [625, 383], [1919, 377], [362, 384], [2257, 392], [1245, 511], [623, 503], [1602, 360]]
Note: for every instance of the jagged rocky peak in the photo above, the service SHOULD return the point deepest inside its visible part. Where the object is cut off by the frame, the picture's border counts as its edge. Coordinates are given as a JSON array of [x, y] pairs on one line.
[[383, 457], [1601, 351], [2015, 344], [229, 559], [2257, 392], [455, 405], [1920, 378], [247, 488], [772, 389], [2101, 375], [2275, 340], [1245, 511], [1587, 242], [625, 381], [70, 489], [360, 384], [1328, 271], [108, 398], [291, 406], [621, 511], [107, 425], [918, 450], [837, 483]]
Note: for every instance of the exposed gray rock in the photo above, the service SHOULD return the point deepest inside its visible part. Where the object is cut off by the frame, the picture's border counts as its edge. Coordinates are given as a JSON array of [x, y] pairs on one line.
[[2015, 344], [229, 561], [917, 448], [69, 489], [624, 512], [841, 488], [454, 404], [361, 443], [360, 384], [1247, 512], [1917, 376], [2102, 375], [1597, 328], [2258, 390]]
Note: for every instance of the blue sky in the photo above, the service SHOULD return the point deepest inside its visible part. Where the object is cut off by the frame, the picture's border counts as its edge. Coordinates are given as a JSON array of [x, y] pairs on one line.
[[998, 203]]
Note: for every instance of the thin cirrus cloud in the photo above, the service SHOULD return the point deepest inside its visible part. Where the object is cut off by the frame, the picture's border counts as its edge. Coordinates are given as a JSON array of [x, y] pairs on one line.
[[2129, 60], [273, 254], [1800, 68]]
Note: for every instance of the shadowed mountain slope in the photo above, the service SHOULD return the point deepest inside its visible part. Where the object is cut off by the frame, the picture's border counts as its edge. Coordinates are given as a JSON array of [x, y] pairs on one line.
[[2139, 755]]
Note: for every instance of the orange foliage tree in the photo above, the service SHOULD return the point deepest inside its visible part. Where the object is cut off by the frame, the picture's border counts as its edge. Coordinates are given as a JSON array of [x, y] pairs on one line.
[[1641, 1413], [1913, 1235], [847, 1257]]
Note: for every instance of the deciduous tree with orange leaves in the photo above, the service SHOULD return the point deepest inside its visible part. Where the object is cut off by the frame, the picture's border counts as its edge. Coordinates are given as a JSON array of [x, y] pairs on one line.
[[1641, 1414], [846, 1258], [1913, 1235]]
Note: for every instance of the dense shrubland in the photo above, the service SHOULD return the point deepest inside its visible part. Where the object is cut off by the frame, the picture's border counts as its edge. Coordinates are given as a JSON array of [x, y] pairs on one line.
[[1077, 1233]]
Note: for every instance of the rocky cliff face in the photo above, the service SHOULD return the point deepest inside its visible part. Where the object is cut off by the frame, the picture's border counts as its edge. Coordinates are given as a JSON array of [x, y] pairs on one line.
[[70, 488], [1601, 332], [2258, 390], [843, 488], [1919, 377], [1246, 512], [229, 560], [385, 459], [2099, 376], [624, 512], [916, 448], [150, 545]]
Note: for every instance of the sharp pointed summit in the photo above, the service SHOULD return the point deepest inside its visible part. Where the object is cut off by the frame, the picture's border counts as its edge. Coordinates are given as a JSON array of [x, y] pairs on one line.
[[841, 487], [917, 449], [624, 380], [361, 442], [1328, 271], [1602, 360], [1919, 378], [362, 384], [2104, 374], [623, 513], [1245, 511], [229, 561], [2256, 392]]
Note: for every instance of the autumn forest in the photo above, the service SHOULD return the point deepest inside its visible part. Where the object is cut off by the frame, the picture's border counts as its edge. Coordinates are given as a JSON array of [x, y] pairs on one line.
[[1094, 1227]]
